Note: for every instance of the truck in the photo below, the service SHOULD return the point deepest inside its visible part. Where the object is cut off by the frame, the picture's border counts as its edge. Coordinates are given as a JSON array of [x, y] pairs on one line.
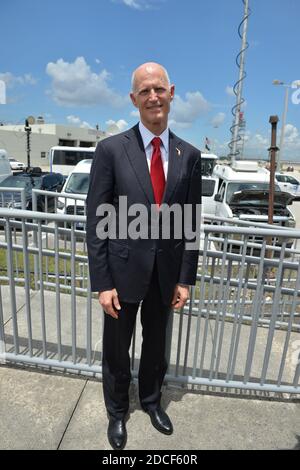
[[5, 169], [243, 195]]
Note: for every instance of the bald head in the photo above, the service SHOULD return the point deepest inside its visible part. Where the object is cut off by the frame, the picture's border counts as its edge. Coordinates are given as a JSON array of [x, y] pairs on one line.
[[152, 94], [147, 70]]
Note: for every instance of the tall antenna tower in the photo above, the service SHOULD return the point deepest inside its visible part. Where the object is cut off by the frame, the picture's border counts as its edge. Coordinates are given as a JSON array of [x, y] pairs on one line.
[[238, 86]]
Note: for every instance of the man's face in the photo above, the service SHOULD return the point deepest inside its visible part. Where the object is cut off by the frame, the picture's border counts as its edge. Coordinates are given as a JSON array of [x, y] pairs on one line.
[[152, 96]]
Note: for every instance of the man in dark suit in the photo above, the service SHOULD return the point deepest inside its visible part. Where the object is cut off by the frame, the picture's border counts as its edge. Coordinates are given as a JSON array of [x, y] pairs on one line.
[[152, 167]]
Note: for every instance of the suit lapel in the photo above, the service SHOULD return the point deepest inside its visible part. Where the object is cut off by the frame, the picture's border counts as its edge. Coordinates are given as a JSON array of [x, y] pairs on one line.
[[135, 151], [174, 166]]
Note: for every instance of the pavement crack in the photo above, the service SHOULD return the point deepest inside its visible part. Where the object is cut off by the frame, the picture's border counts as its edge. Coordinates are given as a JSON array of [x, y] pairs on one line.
[[72, 414]]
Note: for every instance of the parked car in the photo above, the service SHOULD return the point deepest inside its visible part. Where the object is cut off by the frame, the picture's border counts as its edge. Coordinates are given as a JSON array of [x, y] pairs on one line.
[[289, 184], [16, 165], [77, 183], [33, 179]]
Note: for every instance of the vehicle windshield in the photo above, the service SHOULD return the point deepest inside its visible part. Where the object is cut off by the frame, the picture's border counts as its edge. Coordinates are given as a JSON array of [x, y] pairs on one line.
[[70, 157], [208, 187], [19, 181], [78, 183], [243, 186], [207, 166]]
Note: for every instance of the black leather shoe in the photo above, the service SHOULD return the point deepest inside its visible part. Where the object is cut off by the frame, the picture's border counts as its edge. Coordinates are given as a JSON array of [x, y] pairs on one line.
[[160, 420], [116, 433]]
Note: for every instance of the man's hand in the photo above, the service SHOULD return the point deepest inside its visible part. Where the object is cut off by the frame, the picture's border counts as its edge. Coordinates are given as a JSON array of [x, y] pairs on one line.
[[109, 301], [180, 296]]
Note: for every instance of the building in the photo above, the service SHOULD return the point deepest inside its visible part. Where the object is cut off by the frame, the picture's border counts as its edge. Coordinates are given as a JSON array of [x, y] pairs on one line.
[[13, 139]]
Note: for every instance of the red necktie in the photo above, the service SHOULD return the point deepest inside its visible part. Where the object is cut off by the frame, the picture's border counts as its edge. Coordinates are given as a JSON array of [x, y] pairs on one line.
[[157, 171]]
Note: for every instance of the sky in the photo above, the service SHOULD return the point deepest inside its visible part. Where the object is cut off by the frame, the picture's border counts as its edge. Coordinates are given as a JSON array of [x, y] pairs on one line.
[[72, 61]]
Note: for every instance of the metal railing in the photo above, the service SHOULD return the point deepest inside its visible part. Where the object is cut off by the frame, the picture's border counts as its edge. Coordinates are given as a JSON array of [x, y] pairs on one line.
[[241, 328], [66, 199], [13, 198]]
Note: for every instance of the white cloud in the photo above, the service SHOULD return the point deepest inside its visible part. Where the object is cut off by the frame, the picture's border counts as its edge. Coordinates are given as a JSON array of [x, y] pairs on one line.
[[139, 4], [86, 125], [73, 119], [258, 144], [291, 135], [260, 141], [98, 61], [218, 119], [229, 90], [185, 112], [28, 78], [254, 43], [115, 127], [74, 84], [76, 121], [179, 125], [132, 3], [12, 80]]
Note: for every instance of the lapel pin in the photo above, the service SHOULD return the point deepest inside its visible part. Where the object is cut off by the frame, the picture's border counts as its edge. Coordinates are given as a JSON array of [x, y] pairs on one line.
[[178, 151]]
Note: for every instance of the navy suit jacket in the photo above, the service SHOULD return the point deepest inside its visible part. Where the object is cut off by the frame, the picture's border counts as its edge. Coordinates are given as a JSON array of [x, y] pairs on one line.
[[120, 169]]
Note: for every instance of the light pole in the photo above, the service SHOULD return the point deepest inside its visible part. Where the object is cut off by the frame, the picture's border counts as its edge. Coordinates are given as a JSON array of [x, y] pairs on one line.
[[283, 122], [28, 122]]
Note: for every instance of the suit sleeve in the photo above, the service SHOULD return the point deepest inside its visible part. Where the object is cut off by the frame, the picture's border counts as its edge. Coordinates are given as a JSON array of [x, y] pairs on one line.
[[190, 257], [100, 191]]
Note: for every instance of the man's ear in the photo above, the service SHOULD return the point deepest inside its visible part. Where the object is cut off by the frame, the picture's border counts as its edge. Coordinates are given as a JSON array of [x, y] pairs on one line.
[[132, 96], [172, 91]]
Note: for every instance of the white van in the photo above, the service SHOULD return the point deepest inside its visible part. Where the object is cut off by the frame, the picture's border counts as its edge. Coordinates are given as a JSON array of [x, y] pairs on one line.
[[243, 193], [64, 159], [5, 169], [77, 184]]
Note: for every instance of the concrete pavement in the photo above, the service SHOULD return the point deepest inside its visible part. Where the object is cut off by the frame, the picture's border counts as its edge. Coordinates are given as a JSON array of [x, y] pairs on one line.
[[54, 411]]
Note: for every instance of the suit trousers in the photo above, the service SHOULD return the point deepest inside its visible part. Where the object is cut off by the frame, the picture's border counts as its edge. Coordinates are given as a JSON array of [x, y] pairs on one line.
[[117, 336]]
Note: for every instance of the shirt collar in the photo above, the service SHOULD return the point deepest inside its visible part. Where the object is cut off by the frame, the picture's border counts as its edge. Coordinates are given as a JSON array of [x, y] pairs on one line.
[[147, 136]]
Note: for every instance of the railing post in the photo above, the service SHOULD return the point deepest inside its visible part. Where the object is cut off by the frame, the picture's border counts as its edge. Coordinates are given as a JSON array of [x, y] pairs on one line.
[[169, 335], [23, 199], [34, 242], [2, 335]]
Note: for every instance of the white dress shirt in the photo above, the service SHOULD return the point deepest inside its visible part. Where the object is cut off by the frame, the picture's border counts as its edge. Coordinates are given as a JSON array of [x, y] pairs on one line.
[[147, 137]]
